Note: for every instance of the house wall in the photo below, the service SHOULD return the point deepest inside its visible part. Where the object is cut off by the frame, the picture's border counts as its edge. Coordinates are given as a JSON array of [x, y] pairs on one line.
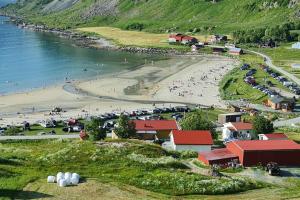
[[253, 158], [222, 119], [197, 148], [172, 40], [262, 137], [282, 157], [236, 150]]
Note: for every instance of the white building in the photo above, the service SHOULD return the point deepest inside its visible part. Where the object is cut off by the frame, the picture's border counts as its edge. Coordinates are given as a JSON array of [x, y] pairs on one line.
[[237, 131], [198, 141]]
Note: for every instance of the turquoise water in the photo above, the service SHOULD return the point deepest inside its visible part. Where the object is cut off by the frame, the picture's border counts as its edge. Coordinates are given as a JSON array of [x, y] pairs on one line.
[[31, 59]]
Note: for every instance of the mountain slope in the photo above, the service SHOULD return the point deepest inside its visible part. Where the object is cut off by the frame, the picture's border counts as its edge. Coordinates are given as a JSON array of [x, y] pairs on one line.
[[224, 16]]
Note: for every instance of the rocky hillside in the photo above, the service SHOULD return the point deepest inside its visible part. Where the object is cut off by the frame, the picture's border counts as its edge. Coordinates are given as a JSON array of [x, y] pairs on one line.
[[222, 16]]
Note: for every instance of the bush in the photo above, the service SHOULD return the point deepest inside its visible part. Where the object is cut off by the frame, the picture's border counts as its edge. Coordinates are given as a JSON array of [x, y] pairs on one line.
[[135, 26], [125, 128], [13, 130], [197, 121], [95, 130]]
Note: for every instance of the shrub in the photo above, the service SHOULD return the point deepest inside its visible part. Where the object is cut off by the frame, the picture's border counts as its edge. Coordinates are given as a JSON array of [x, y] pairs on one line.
[[13, 130], [135, 26]]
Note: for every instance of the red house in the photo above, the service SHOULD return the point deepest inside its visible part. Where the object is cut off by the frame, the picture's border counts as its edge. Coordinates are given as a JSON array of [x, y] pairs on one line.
[[183, 39], [255, 152]]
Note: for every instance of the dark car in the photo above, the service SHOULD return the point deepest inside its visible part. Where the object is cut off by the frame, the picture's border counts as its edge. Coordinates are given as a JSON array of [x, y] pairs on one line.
[[273, 169], [245, 67]]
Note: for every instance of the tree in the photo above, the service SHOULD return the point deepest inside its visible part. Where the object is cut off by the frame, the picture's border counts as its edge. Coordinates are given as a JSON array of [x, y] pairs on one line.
[[125, 128], [261, 125], [198, 121], [95, 130]]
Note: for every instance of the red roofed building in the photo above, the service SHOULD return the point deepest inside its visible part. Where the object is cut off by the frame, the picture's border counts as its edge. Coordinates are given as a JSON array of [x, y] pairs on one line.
[[183, 39], [217, 156], [255, 152], [272, 136], [237, 131], [191, 140], [154, 129]]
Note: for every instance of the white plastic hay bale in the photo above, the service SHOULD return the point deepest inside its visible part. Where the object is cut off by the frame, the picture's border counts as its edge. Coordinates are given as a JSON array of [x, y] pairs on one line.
[[51, 179], [75, 180], [68, 177], [75, 175], [62, 183], [59, 176]]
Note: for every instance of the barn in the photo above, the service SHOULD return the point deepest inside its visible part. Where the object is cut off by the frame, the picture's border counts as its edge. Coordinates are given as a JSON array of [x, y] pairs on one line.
[[217, 156], [254, 152]]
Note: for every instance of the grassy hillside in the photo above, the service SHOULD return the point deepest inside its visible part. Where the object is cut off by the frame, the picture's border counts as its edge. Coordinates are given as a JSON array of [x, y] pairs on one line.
[[224, 16], [129, 162]]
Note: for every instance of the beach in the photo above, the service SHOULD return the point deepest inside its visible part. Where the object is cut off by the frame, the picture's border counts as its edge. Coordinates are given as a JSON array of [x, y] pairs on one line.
[[176, 81]]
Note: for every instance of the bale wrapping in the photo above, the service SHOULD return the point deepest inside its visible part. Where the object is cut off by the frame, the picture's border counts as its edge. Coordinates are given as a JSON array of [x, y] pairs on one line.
[[62, 183], [59, 176], [51, 179]]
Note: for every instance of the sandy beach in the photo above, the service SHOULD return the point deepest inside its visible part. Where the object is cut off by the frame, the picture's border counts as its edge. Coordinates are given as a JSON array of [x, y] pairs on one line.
[[176, 81]]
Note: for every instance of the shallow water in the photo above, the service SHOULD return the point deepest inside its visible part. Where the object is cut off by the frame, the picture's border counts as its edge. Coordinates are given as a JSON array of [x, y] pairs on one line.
[[31, 59]]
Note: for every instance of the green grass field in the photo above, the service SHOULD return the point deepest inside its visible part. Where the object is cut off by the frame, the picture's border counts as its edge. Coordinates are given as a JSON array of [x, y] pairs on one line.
[[136, 38]]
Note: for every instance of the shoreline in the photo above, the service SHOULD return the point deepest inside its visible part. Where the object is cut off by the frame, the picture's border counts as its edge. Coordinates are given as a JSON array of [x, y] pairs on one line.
[[193, 79]]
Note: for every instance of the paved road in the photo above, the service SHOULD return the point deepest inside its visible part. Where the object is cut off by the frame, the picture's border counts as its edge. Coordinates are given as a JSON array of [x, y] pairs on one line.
[[39, 137]]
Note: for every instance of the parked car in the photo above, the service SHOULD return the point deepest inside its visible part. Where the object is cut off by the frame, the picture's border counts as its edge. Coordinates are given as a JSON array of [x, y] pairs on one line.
[[273, 169], [245, 67]]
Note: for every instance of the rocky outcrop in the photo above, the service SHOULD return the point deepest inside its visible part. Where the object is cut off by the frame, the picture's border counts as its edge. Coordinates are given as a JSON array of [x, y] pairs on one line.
[[102, 8], [58, 5]]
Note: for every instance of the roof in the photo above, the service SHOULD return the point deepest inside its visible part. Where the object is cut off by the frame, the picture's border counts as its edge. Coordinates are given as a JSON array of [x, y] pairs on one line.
[[241, 126], [192, 137], [188, 38], [155, 125], [276, 99], [264, 145], [218, 154], [276, 136]]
